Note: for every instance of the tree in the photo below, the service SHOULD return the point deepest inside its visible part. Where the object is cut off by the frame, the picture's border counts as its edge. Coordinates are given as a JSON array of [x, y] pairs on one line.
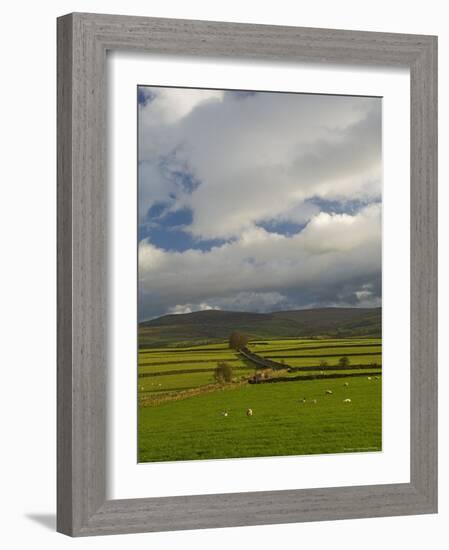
[[223, 372], [234, 340], [237, 340], [344, 361]]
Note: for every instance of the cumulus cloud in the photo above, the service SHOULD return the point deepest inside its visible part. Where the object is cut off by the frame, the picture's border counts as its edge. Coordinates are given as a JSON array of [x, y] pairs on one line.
[[253, 156], [168, 105], [253, 172], [257, 271]]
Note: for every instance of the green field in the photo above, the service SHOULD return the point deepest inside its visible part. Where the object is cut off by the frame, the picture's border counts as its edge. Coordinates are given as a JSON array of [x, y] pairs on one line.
[[181, 406]]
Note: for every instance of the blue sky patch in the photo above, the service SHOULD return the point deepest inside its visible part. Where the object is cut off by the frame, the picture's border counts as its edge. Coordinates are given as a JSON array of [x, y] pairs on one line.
[[157, 209], [175, 240], [177, 218], [186, 181], [351, 206], [286, 228], [168, 230], [145, 95]]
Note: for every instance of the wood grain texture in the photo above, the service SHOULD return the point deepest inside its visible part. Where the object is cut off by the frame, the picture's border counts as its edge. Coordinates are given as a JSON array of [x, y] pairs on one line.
[[83, 40], [64, 278], [424, 257]]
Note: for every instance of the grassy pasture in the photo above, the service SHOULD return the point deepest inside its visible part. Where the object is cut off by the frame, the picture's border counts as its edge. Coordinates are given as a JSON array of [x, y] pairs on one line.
[[192, 358], [181, 405], [330, 371], [315, 361], [178, 382], [187, 365], [314, 342], [322, 352], [195, 428]]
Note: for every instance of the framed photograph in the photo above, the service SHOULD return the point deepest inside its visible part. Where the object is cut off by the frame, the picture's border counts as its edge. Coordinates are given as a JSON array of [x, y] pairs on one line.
[[247, 281]]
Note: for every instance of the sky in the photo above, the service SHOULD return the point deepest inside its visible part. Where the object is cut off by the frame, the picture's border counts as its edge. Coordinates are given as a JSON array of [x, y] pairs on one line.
[[257, 201]]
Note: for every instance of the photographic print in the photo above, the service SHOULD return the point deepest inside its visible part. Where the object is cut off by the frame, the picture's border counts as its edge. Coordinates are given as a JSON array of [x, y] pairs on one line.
[[259, 274]]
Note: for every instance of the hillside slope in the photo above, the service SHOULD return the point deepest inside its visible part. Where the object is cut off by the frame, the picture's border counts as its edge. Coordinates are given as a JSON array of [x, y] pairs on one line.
[[215, 325]]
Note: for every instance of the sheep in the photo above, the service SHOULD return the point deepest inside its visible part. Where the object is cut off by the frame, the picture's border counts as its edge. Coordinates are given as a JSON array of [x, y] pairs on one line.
[[314, 401], [347, 401], [329, 392], [346, 384], [249, 412], [224, 413], [369, 377], [303, 400]]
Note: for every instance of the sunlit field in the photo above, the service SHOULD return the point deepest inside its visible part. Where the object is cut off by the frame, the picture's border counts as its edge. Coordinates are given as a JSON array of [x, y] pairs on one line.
[[312, 401]]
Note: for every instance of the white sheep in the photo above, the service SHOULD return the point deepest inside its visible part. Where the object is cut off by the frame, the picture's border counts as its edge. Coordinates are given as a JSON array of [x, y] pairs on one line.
[[346, 384], [369, 377], [314, 401], [347, 401], [329, 392], [249, 412], [225, 413]]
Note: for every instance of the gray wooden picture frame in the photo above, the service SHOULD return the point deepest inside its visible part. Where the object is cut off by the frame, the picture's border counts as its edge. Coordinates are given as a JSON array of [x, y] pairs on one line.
[[83, 41]]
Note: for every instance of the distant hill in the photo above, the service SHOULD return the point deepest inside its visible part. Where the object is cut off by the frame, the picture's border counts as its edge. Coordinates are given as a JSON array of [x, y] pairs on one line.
[[216, 325]]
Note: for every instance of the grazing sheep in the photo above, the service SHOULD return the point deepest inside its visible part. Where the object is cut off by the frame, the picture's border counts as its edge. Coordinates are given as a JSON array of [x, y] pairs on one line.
[[249, 412], [369, 377], [347, 401], [303, 400], [346, 384], [329, 392], [225, 413], [314, 401]]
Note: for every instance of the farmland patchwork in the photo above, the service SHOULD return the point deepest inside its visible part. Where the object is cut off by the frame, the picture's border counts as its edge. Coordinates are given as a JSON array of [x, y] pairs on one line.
[[317, 395]]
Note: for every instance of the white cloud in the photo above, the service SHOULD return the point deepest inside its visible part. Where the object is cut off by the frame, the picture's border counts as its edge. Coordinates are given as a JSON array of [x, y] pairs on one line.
[[169, 105], [246, 166], [188, 308], [243, 301], [331, 232], [260, 269], [260, 157]]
